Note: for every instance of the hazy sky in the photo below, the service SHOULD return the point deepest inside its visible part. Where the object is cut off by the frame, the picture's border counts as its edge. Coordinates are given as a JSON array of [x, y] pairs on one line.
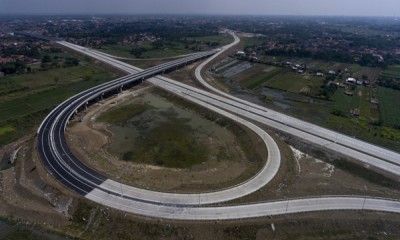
[[267, 7]]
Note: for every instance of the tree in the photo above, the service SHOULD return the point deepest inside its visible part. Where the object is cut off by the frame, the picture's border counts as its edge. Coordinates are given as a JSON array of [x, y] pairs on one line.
[[157, 44], [137, 52]]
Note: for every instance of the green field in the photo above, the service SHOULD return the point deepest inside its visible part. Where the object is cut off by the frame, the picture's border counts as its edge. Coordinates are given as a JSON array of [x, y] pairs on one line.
[[171, 144], [249, 42], [123, 113], [44, 93], [392, 72], [169, 49], [118, 50], [390, 111], [256, 76], [15, 86], [25, 99], [175, 49], [343, 102], [366, 126], [292, 82], [167, 52], [221, 39], [360, 100]]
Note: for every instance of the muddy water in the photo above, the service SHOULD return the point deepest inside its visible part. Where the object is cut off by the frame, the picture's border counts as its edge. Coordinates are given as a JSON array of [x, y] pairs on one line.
[[128, 134]]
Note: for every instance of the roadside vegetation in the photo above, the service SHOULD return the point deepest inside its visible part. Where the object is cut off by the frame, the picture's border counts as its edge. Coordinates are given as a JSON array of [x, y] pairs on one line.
[[316, 91], [26, 98]]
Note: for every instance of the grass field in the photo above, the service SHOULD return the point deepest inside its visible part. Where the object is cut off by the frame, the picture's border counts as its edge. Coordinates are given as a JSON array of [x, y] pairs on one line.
[[167, 52], [256, 76], [221, 39], [248, 42], [343, 102], [392, 72], [15, 86], [170, 49], [360, 100], [45, 96], [365, 127], [25, 99], [118, 50], [389, 109], [171, 144], [292, 82], [123, 113]]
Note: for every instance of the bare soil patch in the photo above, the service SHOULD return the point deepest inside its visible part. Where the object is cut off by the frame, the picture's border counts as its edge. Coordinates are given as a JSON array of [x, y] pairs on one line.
[[302, 175], [25, 195]]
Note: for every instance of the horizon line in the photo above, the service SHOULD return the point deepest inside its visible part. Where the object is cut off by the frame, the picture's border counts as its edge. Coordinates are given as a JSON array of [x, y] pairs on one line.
[[191, 14]]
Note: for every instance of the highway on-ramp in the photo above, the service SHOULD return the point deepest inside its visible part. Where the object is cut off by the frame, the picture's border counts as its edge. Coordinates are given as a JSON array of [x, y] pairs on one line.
[[66, 168], [367, 153]]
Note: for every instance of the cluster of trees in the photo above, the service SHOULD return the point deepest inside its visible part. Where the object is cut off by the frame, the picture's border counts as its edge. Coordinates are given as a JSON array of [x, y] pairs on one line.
[[389, 82], [13, 67], [55, 62], [138, 51], [47, 63], [112, 33], [31, 52], [366, 59], [327, 89]]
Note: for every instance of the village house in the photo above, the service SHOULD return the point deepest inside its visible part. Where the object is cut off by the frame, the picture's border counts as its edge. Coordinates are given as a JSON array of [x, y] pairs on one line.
[[351, 80]]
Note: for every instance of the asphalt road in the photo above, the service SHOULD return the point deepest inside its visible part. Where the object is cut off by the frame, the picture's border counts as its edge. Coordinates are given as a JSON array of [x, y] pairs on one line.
[[367, 153], [73, 174], [65, 167]]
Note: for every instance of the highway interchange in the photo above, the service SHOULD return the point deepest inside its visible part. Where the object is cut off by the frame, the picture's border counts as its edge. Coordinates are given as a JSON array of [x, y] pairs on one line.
[[66, 168]]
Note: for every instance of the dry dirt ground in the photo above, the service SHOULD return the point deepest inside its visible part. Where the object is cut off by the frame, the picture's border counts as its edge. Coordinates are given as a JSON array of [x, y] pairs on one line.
[[89, 140], [302, 175], [27, 193]]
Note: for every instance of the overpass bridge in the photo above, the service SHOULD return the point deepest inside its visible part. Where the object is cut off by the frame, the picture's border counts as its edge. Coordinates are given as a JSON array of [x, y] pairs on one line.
[[73, 174], [52, 129]]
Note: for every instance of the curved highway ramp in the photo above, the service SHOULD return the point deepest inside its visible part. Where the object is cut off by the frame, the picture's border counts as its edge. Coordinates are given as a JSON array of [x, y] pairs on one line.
[[67, 169]]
